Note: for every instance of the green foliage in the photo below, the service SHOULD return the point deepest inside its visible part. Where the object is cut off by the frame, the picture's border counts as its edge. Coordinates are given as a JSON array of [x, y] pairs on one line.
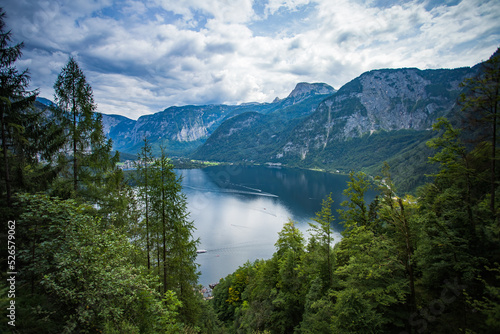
[[378, 279], [318, 309], [266, 295], [87, 276], [170, 249], [489, 304], [452, 151], [356, 212], [355, 314], [321, 233], [76, 113], [454, 224], [481, 102], [89, 162], [289, 299]]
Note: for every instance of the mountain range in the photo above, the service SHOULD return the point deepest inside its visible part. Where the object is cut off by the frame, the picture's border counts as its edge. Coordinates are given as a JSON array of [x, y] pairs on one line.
[[382, 115], [182, 130]]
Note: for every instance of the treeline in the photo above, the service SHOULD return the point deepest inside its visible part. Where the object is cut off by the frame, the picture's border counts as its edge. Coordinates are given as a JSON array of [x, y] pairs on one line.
[[423, 264], [83, 251]]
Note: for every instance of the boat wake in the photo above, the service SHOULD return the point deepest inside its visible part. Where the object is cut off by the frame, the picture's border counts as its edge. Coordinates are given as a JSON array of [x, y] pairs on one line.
[[257, 192], [233, 248]]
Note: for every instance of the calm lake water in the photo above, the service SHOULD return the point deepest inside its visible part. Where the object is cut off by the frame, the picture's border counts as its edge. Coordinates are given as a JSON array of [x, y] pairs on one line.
[[238, 211]]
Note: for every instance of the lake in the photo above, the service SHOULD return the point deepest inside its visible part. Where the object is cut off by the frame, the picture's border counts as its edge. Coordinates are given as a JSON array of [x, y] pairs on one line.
[[238, 211]]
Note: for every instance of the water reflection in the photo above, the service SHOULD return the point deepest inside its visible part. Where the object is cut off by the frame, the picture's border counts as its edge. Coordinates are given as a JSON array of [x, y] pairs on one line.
[[238, 211]]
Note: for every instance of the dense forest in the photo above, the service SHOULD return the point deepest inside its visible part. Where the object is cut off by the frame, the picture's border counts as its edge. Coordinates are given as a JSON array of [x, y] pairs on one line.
[[84, 252]]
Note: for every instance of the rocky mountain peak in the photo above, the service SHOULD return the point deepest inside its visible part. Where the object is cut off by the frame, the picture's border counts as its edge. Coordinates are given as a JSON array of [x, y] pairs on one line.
[[303, 90]]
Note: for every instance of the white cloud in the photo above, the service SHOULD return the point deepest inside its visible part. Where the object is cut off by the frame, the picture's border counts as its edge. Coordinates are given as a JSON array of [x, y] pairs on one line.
[[274, 5], [228, 11], [143, 56]]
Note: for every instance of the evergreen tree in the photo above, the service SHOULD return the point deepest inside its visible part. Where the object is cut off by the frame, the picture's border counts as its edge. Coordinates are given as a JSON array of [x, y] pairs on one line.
[[318, 309], [322, 231], [356, 212], [92, 166], [454, 162], [175, 245], [372, 283], [256, 311], [143, 181], [12, 91], [28, 139], [481, 101], [454, 228], [395, 213], [92, 161], [289, 299]]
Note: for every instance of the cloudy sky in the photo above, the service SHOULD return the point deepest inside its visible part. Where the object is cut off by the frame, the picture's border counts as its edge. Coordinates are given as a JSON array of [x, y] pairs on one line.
[[143, 56]]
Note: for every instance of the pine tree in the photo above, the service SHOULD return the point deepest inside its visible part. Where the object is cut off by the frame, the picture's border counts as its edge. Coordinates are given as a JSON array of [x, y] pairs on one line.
[[144, 160], [175, 245], [322, 232], [15, 100], [454, 219], [481, 101], [92, 165], [89, 150], [289, 300], [395, 213], [370, 274], [356, 212]]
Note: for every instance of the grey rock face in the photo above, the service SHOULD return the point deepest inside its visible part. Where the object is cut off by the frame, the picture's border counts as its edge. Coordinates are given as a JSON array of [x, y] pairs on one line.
[[380, 100]]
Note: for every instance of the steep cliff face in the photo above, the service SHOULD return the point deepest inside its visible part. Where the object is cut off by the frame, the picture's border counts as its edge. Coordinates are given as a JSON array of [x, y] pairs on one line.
[[381, 100], [178, 129]]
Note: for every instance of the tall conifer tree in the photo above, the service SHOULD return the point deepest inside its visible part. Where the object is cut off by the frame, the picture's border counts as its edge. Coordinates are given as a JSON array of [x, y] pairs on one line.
[[88, 146], [481, 101], [75, 102], [322, 231], [176, 247], [29, 138], [145, 158], [94, 174], [14, 98]]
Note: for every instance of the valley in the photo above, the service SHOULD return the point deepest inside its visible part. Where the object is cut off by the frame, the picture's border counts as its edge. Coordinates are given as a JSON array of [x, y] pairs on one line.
[[381, 116]]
